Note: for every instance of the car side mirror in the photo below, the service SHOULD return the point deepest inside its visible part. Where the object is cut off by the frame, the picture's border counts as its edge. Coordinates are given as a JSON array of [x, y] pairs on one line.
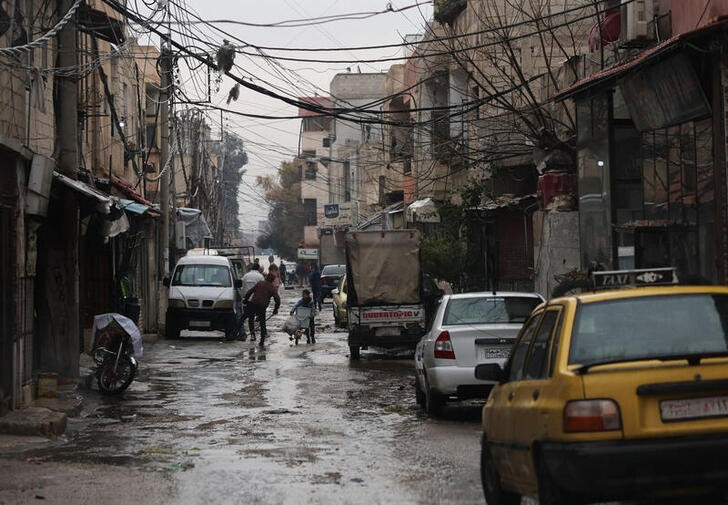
[[489, 372], [238, 283], [335, 291], [165, 282]]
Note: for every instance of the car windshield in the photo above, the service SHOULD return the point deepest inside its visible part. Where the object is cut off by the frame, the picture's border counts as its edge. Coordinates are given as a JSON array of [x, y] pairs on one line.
[[202, 275], [484, 310], [655, 326], [333, 270]]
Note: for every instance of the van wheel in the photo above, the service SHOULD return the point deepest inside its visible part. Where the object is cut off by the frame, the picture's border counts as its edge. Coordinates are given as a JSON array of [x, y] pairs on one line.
[[494, 493], [171, 330], [231, 331], [354, 352]]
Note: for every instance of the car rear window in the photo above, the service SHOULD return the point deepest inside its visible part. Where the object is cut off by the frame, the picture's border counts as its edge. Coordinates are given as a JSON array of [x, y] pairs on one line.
[[333, 270], [646, 327], [484, 310], [202, 275]]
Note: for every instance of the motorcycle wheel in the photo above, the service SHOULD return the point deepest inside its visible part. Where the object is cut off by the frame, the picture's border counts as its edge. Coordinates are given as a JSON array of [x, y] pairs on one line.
[[115, 382]]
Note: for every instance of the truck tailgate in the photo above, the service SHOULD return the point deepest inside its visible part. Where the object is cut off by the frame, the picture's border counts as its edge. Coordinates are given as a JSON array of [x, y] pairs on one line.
[[394, 314]]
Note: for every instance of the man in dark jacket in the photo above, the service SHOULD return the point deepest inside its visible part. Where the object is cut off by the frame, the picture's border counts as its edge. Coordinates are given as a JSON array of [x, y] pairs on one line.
[[314, 279], [256, 302]]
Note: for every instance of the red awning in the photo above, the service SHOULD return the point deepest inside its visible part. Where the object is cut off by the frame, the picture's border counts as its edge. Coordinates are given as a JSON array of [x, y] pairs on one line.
[[643, 58], [128, 190]]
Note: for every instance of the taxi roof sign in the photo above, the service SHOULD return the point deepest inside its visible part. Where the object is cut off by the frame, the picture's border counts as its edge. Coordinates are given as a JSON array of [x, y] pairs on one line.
[[641, 277]]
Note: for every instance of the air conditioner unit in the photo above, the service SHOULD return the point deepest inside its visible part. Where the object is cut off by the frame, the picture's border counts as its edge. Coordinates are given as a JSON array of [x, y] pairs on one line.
[[636, 19]]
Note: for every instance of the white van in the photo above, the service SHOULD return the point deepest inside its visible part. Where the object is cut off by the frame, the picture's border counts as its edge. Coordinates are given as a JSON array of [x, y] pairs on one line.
[[203, 296]]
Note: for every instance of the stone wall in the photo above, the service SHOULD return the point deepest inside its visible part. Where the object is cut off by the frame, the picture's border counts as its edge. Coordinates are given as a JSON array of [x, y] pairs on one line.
[[556, 247]]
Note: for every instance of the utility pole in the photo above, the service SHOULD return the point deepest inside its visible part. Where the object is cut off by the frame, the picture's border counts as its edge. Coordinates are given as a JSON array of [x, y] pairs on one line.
[[59, 350], [164, 96]]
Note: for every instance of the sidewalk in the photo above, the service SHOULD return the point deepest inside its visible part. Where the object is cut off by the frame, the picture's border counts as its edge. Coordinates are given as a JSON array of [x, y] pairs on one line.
[[48, 417]]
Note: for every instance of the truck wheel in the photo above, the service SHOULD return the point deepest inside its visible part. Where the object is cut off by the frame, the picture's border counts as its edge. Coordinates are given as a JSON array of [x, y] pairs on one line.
[[353, 352]]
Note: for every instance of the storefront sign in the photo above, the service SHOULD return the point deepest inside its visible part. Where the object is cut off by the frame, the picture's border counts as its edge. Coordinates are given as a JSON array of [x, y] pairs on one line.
[[331, 210], [664, 94], [337, 214], [307, 253]]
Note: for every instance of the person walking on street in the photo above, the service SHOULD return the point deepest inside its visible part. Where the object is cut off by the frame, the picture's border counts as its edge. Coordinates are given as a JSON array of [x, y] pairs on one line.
[[250, 279], [308, 302], [301, 273], [256, 301], [283, 272], [314, 279], [273, 270]]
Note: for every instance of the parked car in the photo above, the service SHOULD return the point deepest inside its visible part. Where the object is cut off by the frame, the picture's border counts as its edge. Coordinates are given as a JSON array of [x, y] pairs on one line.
[[338, 295], [616, 394], [330, 275], [467, 329]]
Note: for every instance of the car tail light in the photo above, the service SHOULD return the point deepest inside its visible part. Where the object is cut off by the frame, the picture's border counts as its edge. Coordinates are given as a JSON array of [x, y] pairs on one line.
[[443, 346], [591, 415]]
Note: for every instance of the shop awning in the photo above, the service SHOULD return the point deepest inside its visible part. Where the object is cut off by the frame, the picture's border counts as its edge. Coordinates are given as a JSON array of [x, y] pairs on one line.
[[129, 191], [423, 211], [505, 201], [103, 201], [195, 226], [644, 58], [137, 208], [382, 218]]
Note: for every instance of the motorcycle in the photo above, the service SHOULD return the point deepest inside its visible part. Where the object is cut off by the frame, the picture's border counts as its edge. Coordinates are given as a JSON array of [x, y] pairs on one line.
[[117, 343]]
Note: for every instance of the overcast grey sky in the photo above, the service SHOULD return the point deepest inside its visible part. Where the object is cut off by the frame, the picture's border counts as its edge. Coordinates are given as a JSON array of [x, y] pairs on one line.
[[269, 142]]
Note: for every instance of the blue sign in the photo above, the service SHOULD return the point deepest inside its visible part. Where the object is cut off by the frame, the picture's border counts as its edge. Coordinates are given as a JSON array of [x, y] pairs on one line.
[[331, 210]]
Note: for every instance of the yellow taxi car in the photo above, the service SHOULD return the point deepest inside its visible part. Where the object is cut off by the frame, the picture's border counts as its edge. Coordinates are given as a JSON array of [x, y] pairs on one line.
[[338, 296], [611, 394]]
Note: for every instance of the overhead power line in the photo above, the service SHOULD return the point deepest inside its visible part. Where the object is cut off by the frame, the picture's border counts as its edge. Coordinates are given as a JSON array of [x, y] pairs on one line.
[[296, 23]]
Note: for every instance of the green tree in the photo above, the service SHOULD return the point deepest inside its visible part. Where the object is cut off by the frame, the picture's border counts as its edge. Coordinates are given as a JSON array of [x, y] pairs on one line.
[[285, 218], [233, 157]]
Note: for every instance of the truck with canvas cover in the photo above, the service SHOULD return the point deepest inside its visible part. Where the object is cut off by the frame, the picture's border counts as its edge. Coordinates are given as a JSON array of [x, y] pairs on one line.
[[385, 301], [330, 253]]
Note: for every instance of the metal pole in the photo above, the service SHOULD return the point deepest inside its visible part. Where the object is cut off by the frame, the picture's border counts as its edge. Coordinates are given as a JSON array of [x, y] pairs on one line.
[[165, 64]]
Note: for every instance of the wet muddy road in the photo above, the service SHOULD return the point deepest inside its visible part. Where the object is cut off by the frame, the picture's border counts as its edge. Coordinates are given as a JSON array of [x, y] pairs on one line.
[[208, 421]]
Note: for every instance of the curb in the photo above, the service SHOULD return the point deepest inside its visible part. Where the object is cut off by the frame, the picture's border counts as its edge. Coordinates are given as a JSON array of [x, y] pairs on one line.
[[33, 421]]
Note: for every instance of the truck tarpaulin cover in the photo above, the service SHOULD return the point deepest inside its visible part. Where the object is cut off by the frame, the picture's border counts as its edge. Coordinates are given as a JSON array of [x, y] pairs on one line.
[[385, 266]]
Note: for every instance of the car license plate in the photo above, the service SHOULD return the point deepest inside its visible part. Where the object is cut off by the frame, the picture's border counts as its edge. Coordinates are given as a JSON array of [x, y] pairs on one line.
[[694, 408], [387, 332], [199, 324], [493, 352]]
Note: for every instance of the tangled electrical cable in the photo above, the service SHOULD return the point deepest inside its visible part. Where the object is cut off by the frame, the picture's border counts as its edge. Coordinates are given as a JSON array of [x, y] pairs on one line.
[[18, 50]]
